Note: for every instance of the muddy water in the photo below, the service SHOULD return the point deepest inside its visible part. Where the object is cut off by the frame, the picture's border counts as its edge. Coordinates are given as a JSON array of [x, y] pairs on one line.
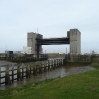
[[62, 71]]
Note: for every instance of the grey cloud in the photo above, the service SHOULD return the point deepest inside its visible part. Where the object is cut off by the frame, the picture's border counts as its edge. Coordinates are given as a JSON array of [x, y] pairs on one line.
[[53, 18]]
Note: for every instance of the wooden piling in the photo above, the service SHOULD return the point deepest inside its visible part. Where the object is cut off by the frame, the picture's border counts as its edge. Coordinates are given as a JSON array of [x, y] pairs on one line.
[[0, 75], [7, 76], [57, 62], [30, 69], [18, 73], [34, 70], [22, 71], [60, 62], [48, 65], [63, 62], [37, 67], [40, 68], [45, 69], [51, 61], [12, 73], [54, 63], [27, 71]]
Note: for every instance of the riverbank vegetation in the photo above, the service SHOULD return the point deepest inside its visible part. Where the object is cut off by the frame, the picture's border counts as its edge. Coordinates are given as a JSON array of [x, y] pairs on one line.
[[95, 63]]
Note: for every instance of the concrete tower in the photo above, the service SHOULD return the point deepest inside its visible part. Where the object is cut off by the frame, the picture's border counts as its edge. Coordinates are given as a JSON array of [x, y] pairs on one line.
[[31, 42], [75, 41]]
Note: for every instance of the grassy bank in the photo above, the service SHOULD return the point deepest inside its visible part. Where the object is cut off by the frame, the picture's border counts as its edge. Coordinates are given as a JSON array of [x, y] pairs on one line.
[[78, 86]]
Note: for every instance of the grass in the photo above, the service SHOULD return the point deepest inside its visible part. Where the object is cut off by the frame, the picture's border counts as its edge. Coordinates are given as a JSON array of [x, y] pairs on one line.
[[95, 63], [78, 86]]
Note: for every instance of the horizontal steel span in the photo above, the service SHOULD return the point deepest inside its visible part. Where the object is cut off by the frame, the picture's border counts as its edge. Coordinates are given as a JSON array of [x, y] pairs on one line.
[[53, 41]]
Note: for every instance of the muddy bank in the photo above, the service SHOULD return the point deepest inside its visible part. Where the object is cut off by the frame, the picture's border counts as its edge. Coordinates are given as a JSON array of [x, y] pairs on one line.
[[76, 70]]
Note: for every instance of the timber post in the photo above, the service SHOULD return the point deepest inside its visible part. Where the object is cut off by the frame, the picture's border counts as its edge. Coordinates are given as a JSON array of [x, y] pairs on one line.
[[27, 71], [45, 67], [48, 65], [55, 63], [0, 75], [22, 71], [12, 73], [40, 68], [7, 76], [18, 73]]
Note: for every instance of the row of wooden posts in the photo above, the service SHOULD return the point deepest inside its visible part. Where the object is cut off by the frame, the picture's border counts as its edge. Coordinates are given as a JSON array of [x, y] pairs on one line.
[[27, 70]]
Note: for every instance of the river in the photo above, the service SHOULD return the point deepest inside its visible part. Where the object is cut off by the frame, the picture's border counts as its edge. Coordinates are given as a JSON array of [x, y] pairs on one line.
[[58, 72]]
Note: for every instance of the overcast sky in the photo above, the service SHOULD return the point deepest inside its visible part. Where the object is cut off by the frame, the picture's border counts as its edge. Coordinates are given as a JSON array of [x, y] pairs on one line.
[[53, 18]]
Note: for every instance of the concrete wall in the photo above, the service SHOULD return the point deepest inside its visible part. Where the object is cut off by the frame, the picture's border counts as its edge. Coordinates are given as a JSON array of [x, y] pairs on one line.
[[40, 47], [27, 50], [31, 41], [75, 41]]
